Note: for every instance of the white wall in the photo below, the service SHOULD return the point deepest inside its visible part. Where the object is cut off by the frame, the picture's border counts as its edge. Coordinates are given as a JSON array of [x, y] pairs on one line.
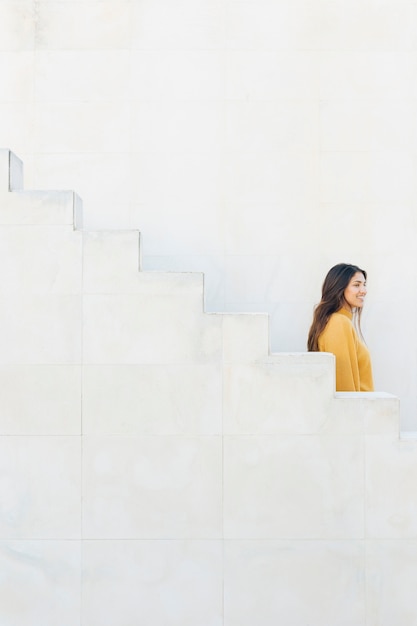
[[260, 141]]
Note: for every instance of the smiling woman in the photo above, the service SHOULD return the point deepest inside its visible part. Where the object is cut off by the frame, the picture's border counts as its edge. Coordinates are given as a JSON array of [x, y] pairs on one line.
[[333, 330]]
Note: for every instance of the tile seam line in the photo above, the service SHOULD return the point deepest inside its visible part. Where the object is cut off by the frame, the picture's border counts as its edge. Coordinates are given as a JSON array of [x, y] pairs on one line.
[[218, 539], [81, 427], [365, 532]]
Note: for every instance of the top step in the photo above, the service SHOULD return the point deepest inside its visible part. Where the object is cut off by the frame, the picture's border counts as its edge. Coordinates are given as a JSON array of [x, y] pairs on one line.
[[33, 207], [11, 171]]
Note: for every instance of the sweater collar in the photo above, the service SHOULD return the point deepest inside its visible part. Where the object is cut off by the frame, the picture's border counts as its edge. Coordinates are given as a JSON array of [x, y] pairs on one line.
[[345, 312]]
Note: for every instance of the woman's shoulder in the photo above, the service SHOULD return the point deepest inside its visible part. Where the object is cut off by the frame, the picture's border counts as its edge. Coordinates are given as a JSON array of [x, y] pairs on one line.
[[339, 331], [341, 317], [339, 321]]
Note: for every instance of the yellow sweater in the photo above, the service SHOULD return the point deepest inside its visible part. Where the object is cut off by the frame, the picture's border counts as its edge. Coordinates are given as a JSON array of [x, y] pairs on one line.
[[353, 361]]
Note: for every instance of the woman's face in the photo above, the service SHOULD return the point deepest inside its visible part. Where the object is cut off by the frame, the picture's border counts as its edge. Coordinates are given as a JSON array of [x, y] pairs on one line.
[[356, 291]]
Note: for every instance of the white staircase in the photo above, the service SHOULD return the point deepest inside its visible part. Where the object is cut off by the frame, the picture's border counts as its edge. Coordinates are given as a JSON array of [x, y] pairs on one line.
[[160, 468]]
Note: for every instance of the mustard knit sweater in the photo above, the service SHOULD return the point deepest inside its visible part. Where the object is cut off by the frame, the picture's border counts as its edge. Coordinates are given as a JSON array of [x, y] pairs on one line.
[[353, 361]]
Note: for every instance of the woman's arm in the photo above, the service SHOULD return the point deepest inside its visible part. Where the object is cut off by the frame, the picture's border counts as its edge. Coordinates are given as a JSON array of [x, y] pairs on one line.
[[339, 337]]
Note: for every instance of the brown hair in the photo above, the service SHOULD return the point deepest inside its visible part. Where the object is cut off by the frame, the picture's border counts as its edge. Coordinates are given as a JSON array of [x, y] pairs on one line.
[[332, 300]]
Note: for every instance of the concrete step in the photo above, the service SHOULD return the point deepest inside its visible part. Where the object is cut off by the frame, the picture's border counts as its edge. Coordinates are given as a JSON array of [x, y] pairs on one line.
[[112, 264], [11, 171], [41, 208]]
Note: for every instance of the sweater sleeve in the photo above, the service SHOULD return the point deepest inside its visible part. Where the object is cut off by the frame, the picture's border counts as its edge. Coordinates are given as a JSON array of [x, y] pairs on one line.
[[339, 337]]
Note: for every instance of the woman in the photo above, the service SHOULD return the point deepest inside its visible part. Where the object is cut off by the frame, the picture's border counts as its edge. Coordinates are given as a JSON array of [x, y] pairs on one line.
[[332, 330]]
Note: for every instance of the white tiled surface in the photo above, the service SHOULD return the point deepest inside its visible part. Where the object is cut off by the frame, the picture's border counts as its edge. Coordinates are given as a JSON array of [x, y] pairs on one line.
[[294, 582], [194, 180], [271, 482], [166, 583], [43, 260], [152, 399], [271, 75], [371, 414], [176, 75], [40, 208], [101, 75], [111, 261], [291, 126], [391, 572], [40, 582], [196, 126], [262, 25], [40, 328], [152, 487], [357, 74], [41, 482], [111, 264], [98, 177], [136, 329], [245, 338], [179, 200], [213, 282], [201, 25], [40, 399], [51, 136], [288, 179], [375, 26], [255, 397], [68, 25], [17, 25], [16, 69], [16, 126], [391, 469]]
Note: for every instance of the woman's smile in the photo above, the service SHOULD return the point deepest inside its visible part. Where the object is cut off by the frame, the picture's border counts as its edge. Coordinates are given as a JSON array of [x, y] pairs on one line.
[[355, 292]]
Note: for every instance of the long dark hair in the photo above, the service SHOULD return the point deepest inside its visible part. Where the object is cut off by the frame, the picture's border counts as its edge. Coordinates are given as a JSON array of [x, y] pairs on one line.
[[332, 300]]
